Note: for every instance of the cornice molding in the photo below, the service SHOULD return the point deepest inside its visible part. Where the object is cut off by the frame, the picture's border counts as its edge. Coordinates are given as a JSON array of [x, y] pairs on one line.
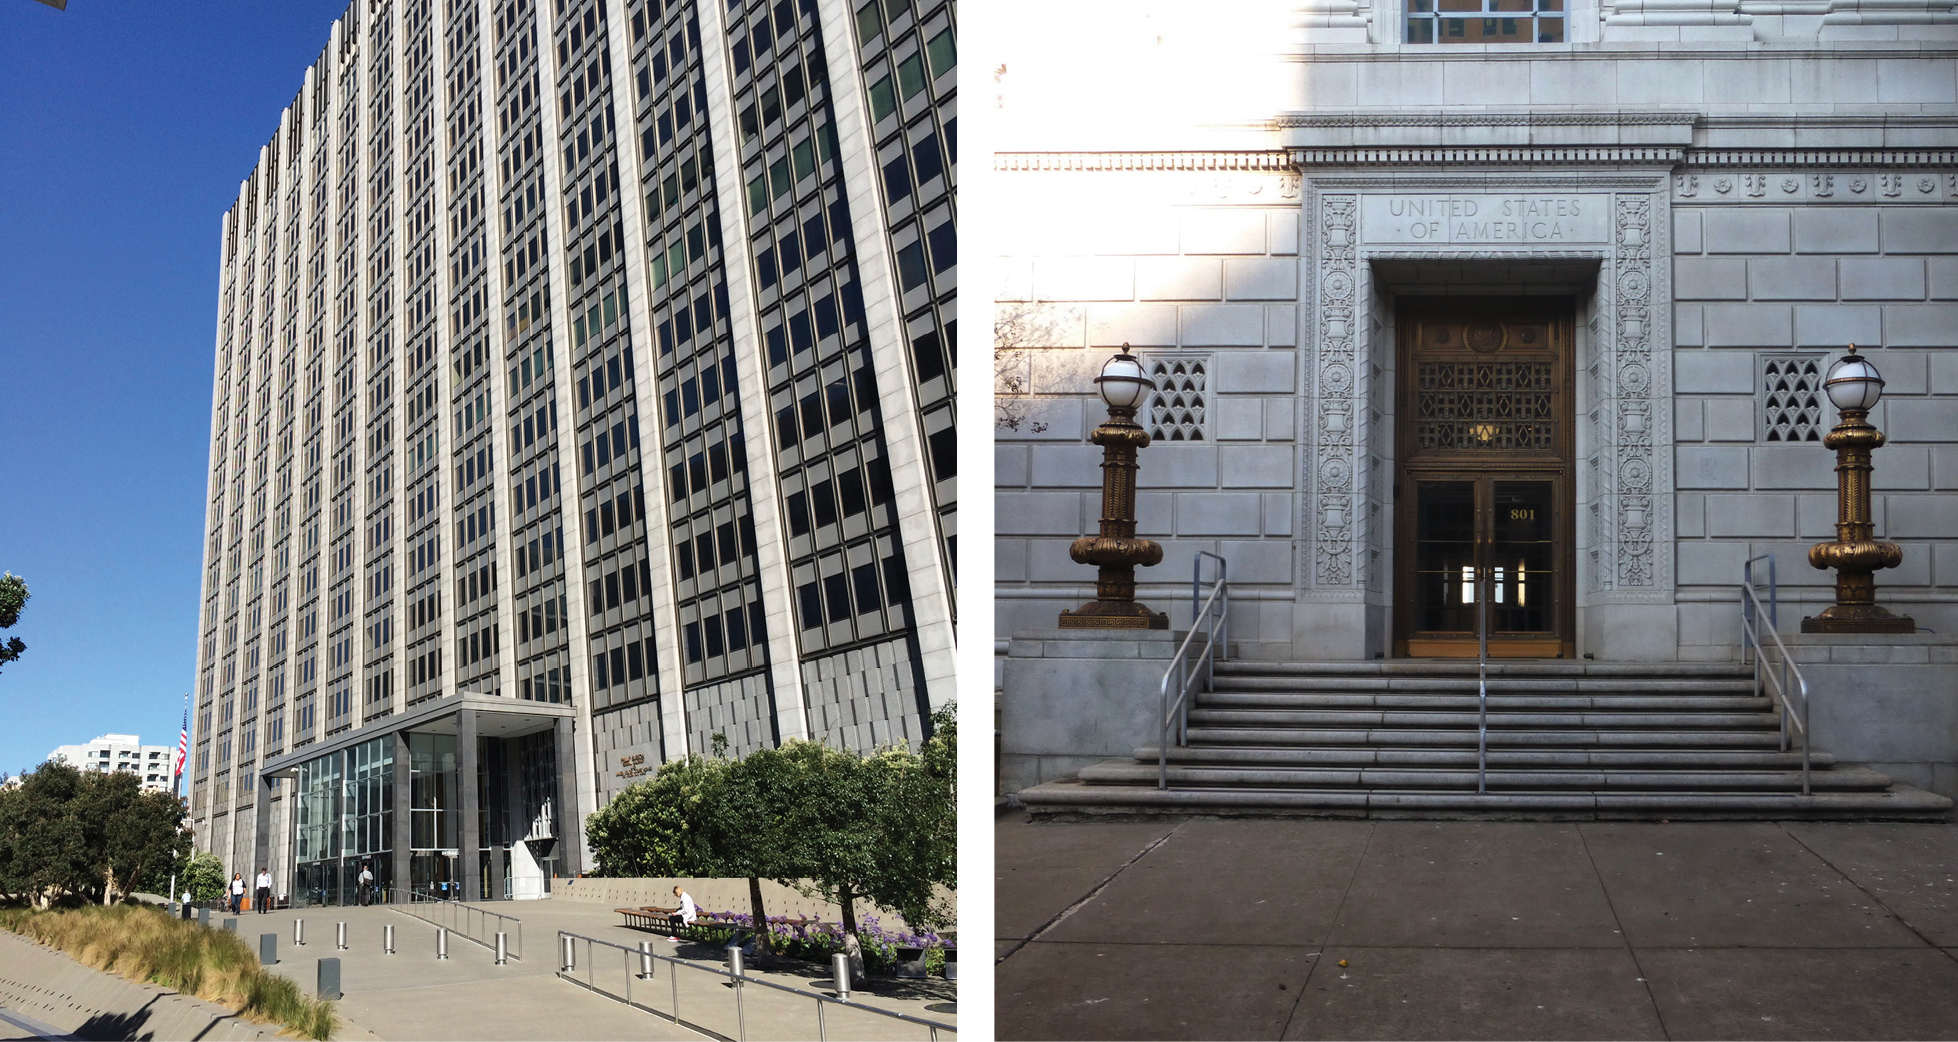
[[1517, 155], [1819, 157], [1375, 118], [1272, 161]]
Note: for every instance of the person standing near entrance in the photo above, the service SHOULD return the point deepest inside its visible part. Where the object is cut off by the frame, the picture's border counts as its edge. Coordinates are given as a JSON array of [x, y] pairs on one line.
[[366, 885], [237, 891], [264, 894]]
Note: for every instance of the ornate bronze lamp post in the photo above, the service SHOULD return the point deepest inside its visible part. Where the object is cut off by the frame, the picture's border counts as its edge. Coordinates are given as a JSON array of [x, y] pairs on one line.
[[1855, 385], [1116, 551]]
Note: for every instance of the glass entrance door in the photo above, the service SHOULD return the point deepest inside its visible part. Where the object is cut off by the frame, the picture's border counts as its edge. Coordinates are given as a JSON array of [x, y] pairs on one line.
[[1484, 499], [1492, 536]]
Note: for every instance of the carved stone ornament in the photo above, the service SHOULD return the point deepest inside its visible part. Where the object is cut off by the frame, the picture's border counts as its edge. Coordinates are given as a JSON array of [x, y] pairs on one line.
[[1332, 558]]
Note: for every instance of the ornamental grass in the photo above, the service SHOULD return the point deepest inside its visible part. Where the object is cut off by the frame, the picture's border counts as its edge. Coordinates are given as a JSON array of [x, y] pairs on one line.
[[146, 944]]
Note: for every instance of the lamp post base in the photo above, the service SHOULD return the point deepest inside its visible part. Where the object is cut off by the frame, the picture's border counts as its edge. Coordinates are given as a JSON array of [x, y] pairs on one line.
[[1858, 618], [1113, 615]]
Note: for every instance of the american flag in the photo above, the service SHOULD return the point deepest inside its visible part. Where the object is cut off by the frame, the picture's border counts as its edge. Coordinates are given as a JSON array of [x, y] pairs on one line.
[[183, 744]]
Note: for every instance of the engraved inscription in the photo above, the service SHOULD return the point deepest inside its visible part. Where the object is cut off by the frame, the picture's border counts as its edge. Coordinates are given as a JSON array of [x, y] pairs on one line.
[[1453, 219]]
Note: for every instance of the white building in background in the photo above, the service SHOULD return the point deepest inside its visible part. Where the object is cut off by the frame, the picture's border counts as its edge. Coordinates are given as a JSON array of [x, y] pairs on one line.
[[151, 764]]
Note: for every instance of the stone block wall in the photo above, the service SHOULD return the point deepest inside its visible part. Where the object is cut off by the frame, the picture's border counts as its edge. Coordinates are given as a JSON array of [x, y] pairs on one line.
[[1192, 267], [1782, 268]]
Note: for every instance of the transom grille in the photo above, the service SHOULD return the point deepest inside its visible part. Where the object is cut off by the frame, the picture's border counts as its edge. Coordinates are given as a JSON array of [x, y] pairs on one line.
[[1484, 407]]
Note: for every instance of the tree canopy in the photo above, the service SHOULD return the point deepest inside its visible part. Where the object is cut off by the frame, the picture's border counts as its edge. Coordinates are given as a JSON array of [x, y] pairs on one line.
[[845, 825], [68, 835], [13, 597]]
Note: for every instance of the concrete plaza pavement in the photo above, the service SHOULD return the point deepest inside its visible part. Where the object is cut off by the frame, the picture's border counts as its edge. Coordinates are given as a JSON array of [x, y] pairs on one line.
[[411, 994], [1208, 928]]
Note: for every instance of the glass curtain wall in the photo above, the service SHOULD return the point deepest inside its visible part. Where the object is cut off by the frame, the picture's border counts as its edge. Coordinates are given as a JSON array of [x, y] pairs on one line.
[[345, 819], [434, 801]]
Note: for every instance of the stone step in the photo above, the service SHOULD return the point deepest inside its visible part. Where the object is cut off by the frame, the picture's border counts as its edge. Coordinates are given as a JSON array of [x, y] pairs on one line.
[[1468, 683], [1497, 668], [1130, 772], [1396, 737], [1075, 799], [1233, 699], [1275, 718], [1617, 759]]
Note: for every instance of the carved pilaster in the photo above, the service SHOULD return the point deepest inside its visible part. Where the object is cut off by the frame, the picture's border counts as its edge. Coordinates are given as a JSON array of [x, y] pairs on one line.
[[1336, 374]]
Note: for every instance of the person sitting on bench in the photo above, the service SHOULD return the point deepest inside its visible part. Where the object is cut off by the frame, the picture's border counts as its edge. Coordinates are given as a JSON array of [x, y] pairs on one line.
[[687, 912]]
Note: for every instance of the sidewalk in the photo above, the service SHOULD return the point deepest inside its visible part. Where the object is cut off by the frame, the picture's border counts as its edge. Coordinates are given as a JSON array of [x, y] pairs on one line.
[[1235, 929], [413, 995]]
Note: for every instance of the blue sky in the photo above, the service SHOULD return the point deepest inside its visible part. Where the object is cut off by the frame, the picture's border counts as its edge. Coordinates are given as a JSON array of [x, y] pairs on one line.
[[125, 129]]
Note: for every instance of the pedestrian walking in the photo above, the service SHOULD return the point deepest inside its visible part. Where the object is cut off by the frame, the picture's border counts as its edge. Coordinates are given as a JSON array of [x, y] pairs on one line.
[[264, 894], [237, 891], [366, 885]]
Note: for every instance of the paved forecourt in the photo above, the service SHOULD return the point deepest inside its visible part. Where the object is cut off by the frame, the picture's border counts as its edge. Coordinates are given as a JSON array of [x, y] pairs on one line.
[[412, 994], [1210, 928]]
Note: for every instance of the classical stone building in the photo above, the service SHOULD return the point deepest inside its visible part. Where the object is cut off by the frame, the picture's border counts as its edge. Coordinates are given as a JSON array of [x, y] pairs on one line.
[[1417, 289]]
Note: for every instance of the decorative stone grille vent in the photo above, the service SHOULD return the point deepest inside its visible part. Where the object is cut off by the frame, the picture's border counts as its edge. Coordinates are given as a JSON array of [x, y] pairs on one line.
[[1178, 409], [1792, 398]]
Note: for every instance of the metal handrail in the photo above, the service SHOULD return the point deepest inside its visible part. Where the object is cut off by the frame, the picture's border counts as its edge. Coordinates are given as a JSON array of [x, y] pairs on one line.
[[740, 981], [1216, 609], [1483, 579], [455, 916], [1776, 679]]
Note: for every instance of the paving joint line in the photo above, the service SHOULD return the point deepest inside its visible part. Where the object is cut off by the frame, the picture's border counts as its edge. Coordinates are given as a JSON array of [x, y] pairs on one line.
[[1894, 914], [1089, 896], [1331, 925], [1585, 842]]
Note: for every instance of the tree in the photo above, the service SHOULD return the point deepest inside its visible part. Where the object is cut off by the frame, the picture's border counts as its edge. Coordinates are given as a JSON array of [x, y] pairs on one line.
[[43, 855], [659, 827], [13, 597], [203, 876], [67, 834], [883, 827], [748, 832]]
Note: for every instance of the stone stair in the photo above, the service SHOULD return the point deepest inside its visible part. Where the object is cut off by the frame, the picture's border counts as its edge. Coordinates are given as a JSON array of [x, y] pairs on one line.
[[1566, 740]]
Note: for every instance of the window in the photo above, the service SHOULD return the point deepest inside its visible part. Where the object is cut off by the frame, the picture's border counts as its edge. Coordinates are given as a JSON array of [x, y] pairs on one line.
[[1485, 21]]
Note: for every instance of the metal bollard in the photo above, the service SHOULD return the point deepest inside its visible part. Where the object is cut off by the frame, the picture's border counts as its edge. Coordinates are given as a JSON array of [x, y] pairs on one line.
[[230, 924], [441, 942], [502, 948], [839, 965], [951, 964], [299, 932], [734, 961], [645, 960], [268, 949], [387, 943], [568, 959], [340, 936], [204, 916], [329, 979]]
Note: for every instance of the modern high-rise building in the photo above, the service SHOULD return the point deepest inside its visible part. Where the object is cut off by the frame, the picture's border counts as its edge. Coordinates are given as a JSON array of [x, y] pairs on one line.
[[153, 765], [583, 395]]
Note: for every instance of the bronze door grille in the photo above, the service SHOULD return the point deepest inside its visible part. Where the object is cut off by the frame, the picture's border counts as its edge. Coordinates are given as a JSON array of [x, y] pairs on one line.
[[1485, 407]]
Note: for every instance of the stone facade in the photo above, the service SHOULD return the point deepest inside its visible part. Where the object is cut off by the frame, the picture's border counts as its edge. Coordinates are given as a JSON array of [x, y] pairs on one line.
[[1720, 215]]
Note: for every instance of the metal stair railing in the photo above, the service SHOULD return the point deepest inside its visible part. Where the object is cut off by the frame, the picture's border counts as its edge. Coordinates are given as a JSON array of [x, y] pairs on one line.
[[1774, 679], [460, 918], [1483, 577], [639, 963], [1210, 616]]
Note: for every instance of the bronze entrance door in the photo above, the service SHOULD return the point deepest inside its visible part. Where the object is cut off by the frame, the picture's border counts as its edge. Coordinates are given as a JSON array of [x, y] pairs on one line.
[[1484, 488]]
